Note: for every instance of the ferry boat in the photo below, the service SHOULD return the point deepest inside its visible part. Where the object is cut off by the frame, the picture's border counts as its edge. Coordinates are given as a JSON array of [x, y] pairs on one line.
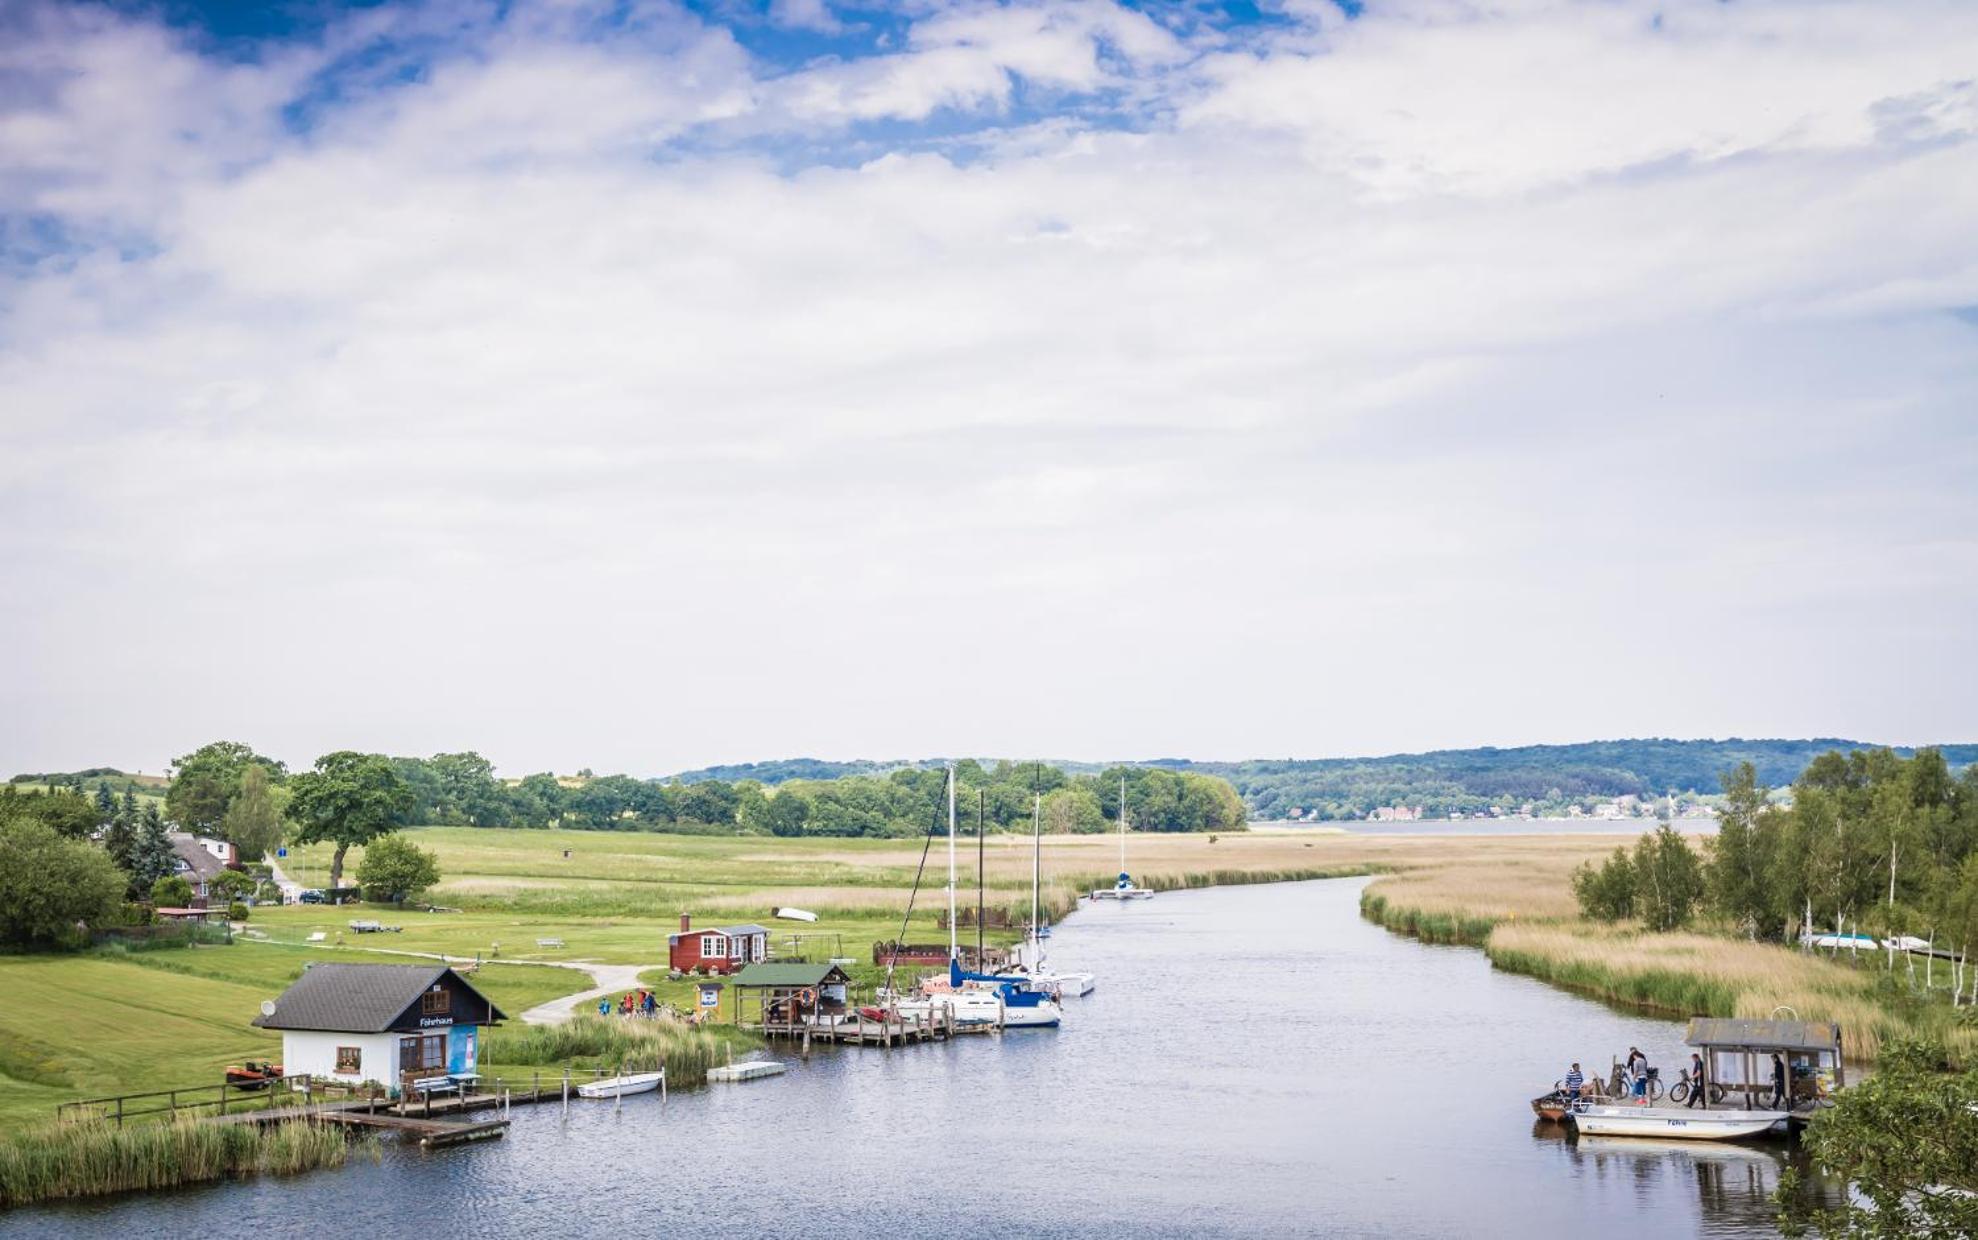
[[1673, 1122]]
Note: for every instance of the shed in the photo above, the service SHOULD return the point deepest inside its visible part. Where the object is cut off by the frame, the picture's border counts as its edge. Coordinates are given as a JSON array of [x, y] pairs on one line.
[[1737, 1057], [720, 949], [790, 994], [383, 1024]]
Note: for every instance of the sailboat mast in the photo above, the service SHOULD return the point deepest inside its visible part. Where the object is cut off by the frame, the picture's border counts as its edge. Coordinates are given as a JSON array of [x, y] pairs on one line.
[[1122, 824], [954, 943], [1036, 854], [981, 880]]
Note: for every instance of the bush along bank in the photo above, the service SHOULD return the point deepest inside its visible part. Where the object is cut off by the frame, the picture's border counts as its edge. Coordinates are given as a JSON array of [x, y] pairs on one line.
[[70, 1160]]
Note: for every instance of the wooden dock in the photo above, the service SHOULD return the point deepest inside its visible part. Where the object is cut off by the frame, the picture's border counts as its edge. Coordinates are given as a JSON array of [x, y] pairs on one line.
[[864, 1031], [431, 1133]]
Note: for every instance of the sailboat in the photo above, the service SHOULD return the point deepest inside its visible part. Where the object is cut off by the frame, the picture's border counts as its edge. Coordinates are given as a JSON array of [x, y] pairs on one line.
[[1027, 1002], [978, 998], [1122, 888], [1063, 983]]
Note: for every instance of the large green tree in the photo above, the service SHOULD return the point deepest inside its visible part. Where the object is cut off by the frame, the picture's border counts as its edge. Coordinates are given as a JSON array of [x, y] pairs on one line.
[[252, 821], [151, 856], [348, 799], [394, 870], [1906, 1142], [49, 884], [205, 781], [1741, 855]]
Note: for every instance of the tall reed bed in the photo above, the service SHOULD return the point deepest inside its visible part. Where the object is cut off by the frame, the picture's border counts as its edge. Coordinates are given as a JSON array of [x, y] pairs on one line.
[[1430, 927], [614, 1043], [91, 1158]]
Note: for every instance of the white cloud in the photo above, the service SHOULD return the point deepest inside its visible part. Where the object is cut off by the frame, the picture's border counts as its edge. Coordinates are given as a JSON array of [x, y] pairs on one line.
[[1440, 377]]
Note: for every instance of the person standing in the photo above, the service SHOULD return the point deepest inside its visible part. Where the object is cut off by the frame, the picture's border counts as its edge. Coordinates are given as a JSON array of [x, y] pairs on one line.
[[1575, 1081], [1638, 1075], [1779, 1093], [1696, 1081]]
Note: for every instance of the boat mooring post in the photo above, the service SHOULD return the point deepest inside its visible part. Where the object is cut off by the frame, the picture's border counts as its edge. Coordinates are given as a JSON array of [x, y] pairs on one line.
[[566, 1089]]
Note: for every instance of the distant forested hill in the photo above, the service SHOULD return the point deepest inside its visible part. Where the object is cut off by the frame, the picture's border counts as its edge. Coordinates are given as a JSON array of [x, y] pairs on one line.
[[1549, 778]]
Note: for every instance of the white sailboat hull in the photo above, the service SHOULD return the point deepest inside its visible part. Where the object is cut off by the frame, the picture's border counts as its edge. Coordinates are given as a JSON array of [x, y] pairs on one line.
[[1044, 1016], [1679, 1123]]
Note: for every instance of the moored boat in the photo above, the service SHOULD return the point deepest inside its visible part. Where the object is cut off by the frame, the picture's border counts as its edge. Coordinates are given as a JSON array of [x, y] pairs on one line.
[[1680, 1123], [620, 1086]]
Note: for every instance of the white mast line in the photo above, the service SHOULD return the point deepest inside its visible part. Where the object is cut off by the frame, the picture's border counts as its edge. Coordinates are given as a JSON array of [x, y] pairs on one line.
[[1037, 868], [954, 942], [1122, 824]]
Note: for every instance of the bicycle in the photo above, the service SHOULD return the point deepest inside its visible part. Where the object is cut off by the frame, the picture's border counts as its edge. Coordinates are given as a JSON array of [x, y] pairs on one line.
[[1680, 1093]]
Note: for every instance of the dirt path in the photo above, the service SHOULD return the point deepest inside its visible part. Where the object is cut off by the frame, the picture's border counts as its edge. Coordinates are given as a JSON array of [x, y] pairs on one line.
[[611, 979]]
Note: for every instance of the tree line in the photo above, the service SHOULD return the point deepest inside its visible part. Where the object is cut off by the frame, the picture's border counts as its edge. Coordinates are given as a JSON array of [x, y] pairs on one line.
[[1867, 839], [227, 790]]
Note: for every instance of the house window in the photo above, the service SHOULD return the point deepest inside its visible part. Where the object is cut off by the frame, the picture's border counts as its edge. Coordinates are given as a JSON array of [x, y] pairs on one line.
[[350, 1059], [424, 1054], [435, 1003], [713, 947]]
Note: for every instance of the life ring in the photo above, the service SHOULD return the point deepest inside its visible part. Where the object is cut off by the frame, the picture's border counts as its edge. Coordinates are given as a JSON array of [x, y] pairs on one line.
[[807, 997]]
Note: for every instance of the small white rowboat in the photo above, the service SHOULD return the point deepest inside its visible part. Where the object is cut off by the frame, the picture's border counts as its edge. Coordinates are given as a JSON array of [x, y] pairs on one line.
[[619, 1086], [1680, 1123]]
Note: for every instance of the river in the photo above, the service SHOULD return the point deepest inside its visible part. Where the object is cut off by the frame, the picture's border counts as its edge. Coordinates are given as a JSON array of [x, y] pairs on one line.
[[1256, 1061]]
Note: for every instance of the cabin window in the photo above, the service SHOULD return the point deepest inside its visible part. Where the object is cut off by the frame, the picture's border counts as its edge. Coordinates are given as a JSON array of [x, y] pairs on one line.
[[712, 946], [422, 1054], [350, 1059], [435, 1003]]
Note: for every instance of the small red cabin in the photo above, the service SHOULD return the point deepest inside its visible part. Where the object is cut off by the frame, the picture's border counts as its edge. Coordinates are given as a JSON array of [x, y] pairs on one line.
[[722, 949]]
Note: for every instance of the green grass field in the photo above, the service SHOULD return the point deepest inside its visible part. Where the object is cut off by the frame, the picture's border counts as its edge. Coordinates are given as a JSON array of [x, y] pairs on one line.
[[109, 1022], [106, 1023]]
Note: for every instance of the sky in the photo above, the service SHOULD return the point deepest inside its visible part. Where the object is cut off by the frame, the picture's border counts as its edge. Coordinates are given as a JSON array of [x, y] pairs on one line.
[[639, 385]]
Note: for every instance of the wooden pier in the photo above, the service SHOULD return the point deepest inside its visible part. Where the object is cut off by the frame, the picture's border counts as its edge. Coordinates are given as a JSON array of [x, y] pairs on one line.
[[431, 1133], [864, 1031]]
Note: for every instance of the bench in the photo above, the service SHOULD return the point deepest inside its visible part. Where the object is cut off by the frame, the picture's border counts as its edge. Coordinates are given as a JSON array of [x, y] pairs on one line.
[[426, 1086], [549, 942]]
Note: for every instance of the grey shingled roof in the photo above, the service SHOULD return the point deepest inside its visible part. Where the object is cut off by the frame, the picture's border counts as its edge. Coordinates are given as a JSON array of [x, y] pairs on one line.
[[356, 998], [736, 931], [1764, 1034]]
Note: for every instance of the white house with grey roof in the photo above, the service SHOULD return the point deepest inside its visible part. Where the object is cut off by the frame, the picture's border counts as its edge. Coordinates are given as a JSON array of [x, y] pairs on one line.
[[381, 1024]]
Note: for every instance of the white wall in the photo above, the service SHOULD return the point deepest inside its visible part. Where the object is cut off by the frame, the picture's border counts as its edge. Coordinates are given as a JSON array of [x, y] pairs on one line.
[[307, 1052]]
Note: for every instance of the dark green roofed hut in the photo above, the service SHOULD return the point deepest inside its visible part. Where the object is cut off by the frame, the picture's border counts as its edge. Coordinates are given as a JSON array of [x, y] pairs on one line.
[[787, 995]]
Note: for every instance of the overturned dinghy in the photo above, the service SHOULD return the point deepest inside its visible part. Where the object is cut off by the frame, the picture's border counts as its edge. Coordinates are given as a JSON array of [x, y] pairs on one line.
[[1680, 1123]]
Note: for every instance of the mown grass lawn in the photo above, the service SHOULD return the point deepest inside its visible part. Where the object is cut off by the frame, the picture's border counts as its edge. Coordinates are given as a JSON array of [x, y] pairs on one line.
[[101, 1023]]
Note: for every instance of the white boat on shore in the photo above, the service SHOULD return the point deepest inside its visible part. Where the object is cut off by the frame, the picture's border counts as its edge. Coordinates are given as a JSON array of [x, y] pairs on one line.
[[1679, 1123], [620, 1086]]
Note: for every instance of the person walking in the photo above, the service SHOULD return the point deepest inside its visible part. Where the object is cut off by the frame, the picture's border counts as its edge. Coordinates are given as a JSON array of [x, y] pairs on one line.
[[1575, 1081], [1696, 1082], [1779, 1091]]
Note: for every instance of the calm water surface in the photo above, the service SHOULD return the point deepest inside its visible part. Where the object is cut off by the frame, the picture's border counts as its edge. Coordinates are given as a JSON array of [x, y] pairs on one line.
[[1256, 1061]]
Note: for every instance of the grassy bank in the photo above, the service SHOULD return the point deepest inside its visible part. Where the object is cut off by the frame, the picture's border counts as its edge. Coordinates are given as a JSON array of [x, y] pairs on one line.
[[61, 1161], [169, 1019], [1688, 973], [615, 1045]]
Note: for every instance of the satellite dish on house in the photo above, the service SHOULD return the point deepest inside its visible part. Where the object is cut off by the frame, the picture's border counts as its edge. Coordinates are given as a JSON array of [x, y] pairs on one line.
[[267, 1007]]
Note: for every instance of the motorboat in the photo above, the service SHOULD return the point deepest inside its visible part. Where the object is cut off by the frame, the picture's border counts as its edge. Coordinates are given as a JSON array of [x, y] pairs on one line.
[[1677, 1123], [620, 1086]]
